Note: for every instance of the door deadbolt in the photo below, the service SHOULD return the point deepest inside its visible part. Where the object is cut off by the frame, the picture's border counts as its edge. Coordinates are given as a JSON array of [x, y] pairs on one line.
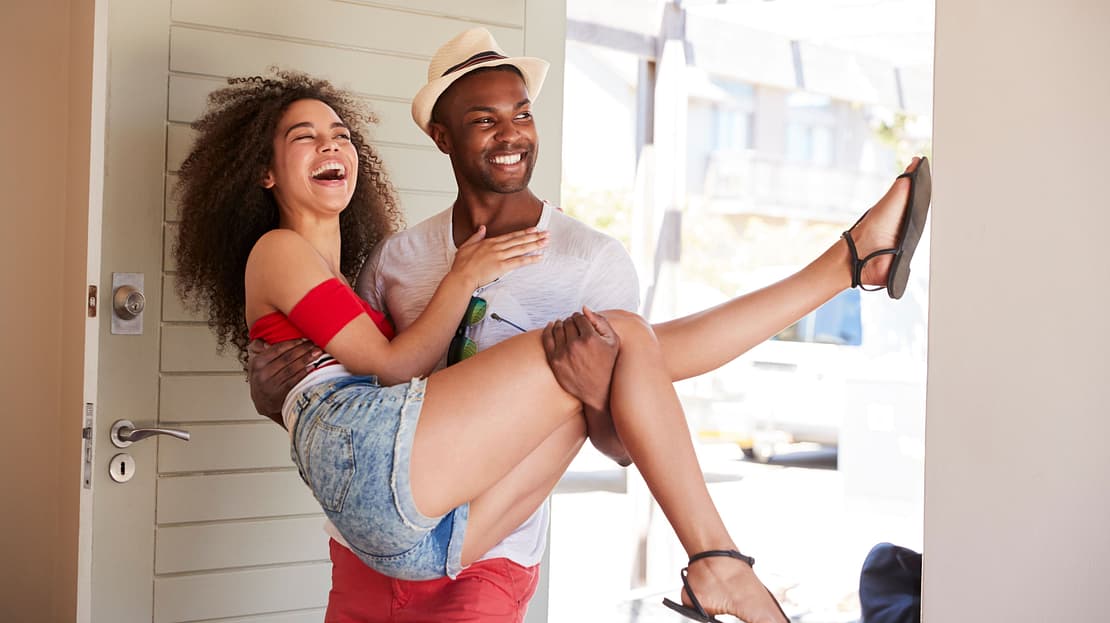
[[121, 468], [128, 302]]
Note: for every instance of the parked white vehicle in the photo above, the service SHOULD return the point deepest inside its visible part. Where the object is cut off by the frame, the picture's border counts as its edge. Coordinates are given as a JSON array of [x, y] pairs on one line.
[[800, 385]]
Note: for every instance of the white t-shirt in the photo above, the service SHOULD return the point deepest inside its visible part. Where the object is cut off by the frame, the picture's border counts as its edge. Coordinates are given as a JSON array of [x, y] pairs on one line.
[[580, 266]]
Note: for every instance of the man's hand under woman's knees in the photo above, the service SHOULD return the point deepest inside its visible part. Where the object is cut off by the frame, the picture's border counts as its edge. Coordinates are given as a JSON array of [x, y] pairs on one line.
[[582, 351]]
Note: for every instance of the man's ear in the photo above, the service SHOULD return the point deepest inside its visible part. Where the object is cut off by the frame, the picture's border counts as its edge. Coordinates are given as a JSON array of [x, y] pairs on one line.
[[439, 135]]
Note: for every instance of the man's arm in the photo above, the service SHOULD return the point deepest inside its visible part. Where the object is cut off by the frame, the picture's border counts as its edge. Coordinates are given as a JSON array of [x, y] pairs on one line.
[[582, 351], [274, 369], [610, 283]]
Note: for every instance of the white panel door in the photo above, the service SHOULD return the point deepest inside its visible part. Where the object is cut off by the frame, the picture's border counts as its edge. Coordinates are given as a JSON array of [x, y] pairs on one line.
[[220, 528]]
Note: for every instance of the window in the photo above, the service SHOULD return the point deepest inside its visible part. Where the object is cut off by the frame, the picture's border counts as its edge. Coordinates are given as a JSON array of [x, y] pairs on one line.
[[734, 129], [809, 129], [733, 117]]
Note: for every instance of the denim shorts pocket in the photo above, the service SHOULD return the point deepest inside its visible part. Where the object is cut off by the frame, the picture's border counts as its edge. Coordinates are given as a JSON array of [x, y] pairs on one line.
[[401, 565], [330, 465]]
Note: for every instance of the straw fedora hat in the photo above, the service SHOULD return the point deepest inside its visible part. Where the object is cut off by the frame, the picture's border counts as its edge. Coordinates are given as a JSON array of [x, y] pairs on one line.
[[470, 50]]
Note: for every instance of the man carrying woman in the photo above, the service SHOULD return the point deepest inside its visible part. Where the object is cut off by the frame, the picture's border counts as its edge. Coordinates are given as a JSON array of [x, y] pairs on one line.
[[423, 476]]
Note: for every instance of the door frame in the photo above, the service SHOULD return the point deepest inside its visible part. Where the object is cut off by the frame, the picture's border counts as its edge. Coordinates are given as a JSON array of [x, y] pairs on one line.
[[124, 55], [97, 150]]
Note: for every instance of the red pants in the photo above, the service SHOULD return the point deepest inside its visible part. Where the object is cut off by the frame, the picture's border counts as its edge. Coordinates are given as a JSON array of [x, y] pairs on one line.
[[495, 590]]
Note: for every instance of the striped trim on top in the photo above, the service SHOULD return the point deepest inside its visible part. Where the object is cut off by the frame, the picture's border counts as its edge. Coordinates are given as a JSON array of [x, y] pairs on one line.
[[480, 57]]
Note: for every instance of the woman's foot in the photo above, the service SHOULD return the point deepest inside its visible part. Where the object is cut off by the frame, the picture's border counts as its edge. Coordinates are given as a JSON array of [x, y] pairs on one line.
[[729, 586], [879, 229]]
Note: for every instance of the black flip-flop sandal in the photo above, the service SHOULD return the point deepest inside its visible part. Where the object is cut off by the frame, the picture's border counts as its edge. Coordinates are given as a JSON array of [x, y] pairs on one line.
[[697, 612], [913, 225]]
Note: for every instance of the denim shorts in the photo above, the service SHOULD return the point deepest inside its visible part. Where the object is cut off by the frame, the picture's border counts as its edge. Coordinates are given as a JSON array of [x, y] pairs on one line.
[[352, 443]]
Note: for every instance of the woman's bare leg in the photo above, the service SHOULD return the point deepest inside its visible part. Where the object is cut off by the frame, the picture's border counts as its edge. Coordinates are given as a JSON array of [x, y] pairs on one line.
[[513, 375], [499, 511], [706, 340], [498, 433], [654, 430], [497, 430], [481, 418]]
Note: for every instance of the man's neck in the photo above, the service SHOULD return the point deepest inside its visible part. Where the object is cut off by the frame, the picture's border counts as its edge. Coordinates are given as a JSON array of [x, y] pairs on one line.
[[500, 213]]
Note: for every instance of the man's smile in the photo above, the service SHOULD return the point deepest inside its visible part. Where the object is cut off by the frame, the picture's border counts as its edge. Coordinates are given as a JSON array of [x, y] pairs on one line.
[[507, 159]]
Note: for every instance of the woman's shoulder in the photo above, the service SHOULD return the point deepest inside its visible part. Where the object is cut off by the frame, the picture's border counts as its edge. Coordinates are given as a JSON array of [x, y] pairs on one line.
[[280, 243], [282, 250], [281, 238], [281, 267]]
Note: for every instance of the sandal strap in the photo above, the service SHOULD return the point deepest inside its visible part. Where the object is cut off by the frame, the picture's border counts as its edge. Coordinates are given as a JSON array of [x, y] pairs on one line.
[[690, 593], [858, 264], [731, 553]]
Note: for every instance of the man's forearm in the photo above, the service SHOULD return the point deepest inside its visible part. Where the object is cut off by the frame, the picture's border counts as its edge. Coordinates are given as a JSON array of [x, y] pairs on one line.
[[273, 370], [277, 418], [603, 435]]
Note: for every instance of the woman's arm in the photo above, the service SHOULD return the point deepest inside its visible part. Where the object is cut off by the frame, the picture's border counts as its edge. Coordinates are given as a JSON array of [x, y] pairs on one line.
[[284, 267]]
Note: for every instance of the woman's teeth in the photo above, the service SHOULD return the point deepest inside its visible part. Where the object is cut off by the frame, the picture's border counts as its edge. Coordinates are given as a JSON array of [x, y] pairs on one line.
[[330, 170]]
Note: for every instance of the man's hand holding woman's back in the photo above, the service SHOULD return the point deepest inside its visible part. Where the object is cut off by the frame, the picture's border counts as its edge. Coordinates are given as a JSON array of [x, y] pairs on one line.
[[274, 369]]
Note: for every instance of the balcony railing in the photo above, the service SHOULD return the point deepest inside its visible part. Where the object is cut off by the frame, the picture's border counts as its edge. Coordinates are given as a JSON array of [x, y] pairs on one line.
[[748, 183]]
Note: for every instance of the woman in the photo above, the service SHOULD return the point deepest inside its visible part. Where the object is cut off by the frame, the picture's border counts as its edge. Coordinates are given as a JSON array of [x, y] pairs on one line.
[[406, 469]]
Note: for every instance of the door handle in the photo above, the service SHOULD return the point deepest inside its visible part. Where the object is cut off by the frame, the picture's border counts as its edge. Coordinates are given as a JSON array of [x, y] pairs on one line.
[[124, 433]]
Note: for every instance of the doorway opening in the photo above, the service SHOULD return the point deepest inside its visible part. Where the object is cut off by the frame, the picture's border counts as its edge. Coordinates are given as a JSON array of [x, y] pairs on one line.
[[789, 120]]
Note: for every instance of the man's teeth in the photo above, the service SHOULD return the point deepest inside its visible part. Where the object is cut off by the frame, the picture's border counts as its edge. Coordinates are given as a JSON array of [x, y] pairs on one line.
[[330, 166], [510, 159]]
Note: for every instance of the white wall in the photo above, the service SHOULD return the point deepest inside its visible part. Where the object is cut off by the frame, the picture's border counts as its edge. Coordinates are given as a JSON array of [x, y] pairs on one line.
[[1017, 512]]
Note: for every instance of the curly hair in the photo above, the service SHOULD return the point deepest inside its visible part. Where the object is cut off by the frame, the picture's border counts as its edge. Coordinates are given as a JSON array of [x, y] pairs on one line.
[[225, 209]]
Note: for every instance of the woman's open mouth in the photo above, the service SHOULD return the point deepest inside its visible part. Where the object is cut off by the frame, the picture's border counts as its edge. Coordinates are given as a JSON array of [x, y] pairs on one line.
[[330, 172]]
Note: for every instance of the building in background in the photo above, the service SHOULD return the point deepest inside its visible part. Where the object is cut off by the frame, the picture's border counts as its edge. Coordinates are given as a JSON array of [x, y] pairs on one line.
[[796, 116], [727, 144]]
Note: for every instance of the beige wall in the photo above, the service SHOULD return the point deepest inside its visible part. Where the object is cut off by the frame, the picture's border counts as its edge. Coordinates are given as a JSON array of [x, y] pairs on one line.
[[44, 119], [1019, 397], [1017, 507]]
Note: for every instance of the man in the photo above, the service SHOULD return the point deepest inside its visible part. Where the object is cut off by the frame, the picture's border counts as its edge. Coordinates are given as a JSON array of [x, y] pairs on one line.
[[476, 107]]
